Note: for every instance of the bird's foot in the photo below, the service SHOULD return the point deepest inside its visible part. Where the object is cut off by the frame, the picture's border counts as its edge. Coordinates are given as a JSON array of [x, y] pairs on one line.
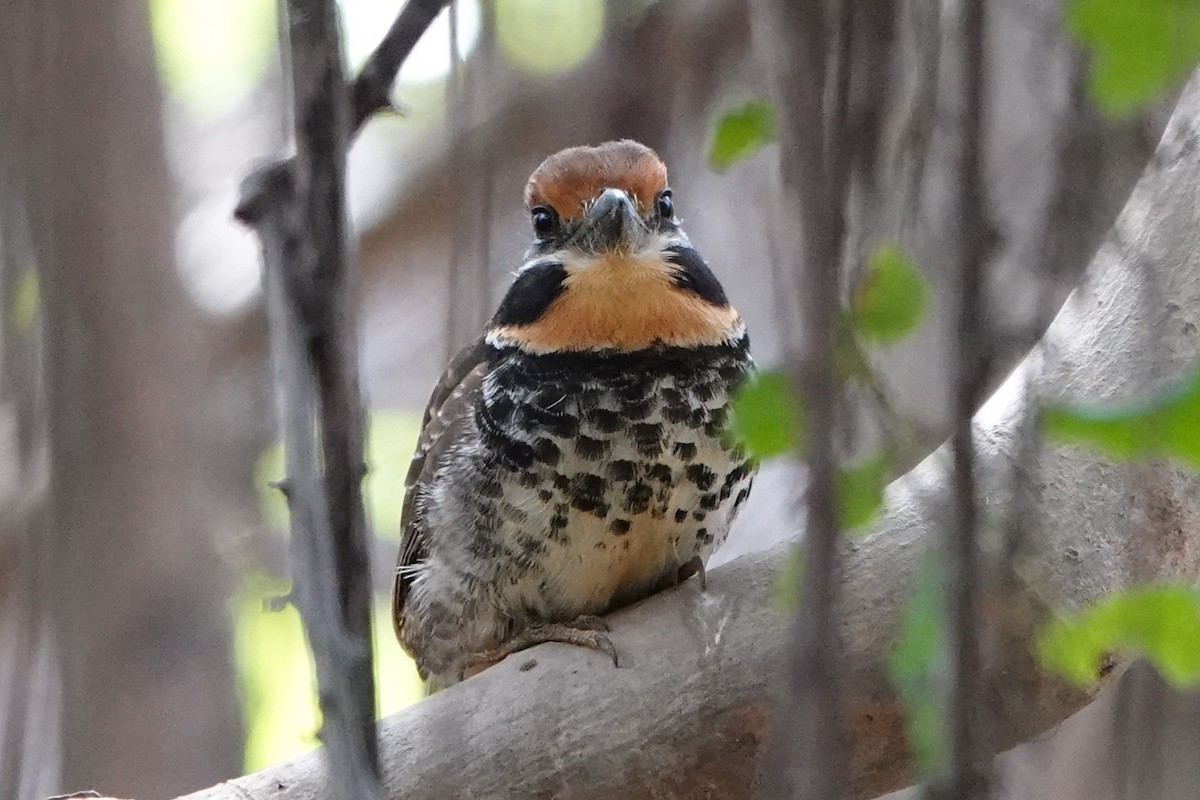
[[590, 622], [693, 567], [586, 631]]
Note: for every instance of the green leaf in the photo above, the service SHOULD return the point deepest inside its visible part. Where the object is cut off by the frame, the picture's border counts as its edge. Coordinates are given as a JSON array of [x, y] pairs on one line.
[[1161, 623], [1139, 48], [860, 491], [768, 417], [1168, 425], [891, 299], [741, 131], [917, 669]]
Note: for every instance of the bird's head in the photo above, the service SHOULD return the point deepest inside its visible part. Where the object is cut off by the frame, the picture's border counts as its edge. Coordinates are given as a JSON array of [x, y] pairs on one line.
[[587, 201], [609, 267]]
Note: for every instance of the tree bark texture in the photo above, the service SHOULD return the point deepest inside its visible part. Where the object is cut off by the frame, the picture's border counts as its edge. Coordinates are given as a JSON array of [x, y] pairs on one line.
[[686, 713], [297, 208], [123, 566]]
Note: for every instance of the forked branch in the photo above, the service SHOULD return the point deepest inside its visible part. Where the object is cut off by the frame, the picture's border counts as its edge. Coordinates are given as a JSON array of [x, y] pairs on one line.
[[298, 209]]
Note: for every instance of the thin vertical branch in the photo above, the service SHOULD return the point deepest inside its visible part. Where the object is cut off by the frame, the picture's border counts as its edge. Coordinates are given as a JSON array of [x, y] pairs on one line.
[[472, 177], [460, 305], [320, 410], [486, 157], [837, 146], [298, 209], [812, 176], [971, 335]]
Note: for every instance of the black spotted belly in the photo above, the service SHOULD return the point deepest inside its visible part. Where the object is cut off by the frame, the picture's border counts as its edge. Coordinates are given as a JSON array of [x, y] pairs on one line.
[[613, 489]]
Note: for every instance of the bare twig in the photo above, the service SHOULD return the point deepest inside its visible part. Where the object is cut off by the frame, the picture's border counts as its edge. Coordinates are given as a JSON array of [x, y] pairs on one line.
[[813, 179], [303, 245], [971, 335], [370, 93], [297, 207], [373, 85], [837, 148], [462, 299]]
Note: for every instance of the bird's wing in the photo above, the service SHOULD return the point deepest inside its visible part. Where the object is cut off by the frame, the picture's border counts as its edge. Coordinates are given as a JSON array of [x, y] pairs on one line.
[[449, 412]]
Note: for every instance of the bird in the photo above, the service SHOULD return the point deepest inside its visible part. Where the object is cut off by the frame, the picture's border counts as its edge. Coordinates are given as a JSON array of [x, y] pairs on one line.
[[576, 457]]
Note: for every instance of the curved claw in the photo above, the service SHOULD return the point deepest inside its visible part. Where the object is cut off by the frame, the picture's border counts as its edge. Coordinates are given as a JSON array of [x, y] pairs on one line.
[[693, 567]]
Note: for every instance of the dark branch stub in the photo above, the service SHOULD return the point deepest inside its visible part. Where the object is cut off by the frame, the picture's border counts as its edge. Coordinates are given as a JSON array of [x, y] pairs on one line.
[[267, 189], [369, 94], [297, 207], [373, 86]]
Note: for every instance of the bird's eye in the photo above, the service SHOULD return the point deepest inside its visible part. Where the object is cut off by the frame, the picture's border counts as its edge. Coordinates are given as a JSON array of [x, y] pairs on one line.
[[545, 221], [664, 204]]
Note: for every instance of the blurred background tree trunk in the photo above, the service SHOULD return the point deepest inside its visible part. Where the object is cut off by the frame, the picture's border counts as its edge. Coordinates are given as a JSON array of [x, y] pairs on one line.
[[116, 559]]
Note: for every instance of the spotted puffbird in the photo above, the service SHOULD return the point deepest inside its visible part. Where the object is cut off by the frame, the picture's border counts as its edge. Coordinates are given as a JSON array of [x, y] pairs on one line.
[[574, 459]]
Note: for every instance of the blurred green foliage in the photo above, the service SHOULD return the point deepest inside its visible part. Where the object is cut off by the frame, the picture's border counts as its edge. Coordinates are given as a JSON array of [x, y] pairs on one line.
[[1167, 425], [279, 705], [213, 53], [739, 132], [768, 417], [391, 440], [860, 490], [917, 667], [544, 37], [1139, 48], [890, 300], [277, 676], [273, 659], [1160, 623]]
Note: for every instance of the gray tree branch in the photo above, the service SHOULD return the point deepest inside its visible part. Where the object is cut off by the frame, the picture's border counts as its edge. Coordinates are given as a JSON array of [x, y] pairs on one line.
[[298, 209], [687, 712], [302, 233]]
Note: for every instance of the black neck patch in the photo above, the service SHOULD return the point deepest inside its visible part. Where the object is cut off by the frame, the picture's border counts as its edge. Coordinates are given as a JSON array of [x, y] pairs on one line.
[[531, 294], [657, 361], [695, 276]]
